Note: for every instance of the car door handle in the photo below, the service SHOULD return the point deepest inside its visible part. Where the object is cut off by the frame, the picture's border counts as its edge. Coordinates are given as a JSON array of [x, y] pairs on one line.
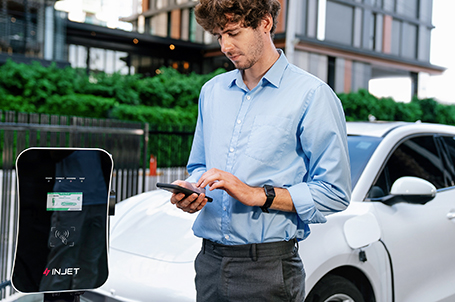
[[451, 215]]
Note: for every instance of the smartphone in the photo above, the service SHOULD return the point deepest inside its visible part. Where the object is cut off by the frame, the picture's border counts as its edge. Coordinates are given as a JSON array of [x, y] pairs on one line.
[[178, 189]]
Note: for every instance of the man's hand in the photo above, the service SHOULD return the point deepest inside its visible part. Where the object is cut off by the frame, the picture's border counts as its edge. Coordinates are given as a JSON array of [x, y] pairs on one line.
[[192, 203], [250, 196], [218, 179]]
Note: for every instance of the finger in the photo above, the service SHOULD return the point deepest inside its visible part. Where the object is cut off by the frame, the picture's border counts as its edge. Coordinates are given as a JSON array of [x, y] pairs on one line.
[[207, 175], [185, 202], [201, 205], [177, 197], [211, 179], [198, 203], [217, 185]]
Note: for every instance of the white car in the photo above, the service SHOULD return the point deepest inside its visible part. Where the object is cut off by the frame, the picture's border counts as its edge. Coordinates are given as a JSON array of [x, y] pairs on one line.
[[395, 242]]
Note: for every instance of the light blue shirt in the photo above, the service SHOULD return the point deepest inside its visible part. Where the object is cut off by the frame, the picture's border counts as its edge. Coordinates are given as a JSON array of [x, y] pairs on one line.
[[289, 132]]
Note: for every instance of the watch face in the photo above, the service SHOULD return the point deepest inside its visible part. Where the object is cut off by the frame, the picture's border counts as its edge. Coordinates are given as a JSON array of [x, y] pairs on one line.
[[269, 191]]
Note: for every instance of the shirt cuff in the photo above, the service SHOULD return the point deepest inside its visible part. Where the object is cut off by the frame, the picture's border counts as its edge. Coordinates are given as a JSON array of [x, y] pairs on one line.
[[304, 204], [195, 175]]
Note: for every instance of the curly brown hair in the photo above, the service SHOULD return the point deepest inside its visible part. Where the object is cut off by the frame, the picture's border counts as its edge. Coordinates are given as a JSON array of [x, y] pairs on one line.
[[211, 14]]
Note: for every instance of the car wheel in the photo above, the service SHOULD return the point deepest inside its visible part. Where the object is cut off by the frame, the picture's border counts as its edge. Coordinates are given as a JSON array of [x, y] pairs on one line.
[[334, 288]]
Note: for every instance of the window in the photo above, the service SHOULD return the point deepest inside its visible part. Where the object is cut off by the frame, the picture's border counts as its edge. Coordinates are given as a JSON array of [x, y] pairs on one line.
[[396, 37], [418, 157], [339, 23], [409, 8], [377, 3], [301, 22], [169, 24], [449, 158], [409, 41], [360, 150], [192, 26], [372, 31], [331, 72], [389, 5], [404, 39]]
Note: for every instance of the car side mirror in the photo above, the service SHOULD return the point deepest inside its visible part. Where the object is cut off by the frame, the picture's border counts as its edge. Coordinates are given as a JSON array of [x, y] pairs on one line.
[[62, 237], [410, 189]]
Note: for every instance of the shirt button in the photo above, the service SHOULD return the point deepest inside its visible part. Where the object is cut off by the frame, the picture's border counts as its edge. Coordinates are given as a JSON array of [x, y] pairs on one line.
[[226, 237], [232, 149], [224, 208], [248, 97], [239, 121]]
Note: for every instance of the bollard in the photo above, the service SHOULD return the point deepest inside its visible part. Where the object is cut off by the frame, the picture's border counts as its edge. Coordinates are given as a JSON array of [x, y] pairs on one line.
[[152, 171]]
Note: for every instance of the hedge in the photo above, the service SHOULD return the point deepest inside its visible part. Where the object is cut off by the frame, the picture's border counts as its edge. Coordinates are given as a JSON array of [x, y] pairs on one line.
[[361, 105], [169, 98], [156, 115]]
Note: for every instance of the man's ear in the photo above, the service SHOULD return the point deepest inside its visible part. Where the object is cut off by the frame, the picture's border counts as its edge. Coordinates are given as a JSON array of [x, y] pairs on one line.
[[267, 23]]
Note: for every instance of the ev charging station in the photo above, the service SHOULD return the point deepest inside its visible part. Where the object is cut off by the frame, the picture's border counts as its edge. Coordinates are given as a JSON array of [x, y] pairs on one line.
[[62, 239]]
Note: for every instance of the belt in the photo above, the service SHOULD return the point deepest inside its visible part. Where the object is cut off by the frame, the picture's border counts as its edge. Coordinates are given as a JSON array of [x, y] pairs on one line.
[[254, 250]]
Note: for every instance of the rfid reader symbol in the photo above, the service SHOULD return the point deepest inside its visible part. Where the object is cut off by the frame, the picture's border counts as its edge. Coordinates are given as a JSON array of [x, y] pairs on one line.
[[61, 235]]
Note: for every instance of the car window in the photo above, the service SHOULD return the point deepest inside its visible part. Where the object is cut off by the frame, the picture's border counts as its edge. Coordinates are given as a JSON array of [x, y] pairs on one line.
[[360, 150], [417, 156], [449, 158]]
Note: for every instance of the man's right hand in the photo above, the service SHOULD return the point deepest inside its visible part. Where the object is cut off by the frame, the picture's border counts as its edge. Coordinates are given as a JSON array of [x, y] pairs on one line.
[[192, 203]]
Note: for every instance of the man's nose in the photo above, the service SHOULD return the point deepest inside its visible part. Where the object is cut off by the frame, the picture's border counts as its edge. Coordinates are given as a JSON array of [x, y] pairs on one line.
[[226, 44]]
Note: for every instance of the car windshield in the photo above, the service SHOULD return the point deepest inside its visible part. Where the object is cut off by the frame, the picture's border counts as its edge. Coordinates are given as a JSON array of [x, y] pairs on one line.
[[360, 150]]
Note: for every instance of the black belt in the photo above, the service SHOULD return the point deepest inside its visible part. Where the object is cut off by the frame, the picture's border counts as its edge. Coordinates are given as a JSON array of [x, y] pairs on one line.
[[254, 250]]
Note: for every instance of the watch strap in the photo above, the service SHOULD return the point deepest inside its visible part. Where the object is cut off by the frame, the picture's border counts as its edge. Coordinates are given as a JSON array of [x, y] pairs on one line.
[[270, 193]]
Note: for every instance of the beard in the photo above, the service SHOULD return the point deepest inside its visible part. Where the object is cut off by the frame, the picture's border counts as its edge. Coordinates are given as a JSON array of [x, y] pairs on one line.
[[252, 53]]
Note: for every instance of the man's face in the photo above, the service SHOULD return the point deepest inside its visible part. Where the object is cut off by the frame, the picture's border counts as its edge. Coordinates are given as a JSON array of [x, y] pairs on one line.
[[242, 45]]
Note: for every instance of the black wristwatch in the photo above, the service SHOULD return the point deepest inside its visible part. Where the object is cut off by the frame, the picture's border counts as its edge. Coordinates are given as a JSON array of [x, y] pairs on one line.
[[270, 193]]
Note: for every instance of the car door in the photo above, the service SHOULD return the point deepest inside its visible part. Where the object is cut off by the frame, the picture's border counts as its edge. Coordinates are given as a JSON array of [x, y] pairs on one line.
[[420, 238]]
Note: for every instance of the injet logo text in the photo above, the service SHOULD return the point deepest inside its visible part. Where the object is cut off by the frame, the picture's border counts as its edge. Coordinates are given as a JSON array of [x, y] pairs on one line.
[[70, 271]]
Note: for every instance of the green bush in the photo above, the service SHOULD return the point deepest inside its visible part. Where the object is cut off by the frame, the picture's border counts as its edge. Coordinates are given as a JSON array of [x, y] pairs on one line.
[[35, 83], [83, 104], [434, 112], [120, 87], [156, 115], [167, 98], [9, 102], [171, 89], [359, 106]]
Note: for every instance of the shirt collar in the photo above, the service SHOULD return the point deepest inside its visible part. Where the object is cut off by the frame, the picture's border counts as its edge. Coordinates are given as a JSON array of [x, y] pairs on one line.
[[273, 75]]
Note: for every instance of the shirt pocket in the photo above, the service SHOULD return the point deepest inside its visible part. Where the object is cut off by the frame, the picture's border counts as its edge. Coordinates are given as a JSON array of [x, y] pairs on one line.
[[269, 139]]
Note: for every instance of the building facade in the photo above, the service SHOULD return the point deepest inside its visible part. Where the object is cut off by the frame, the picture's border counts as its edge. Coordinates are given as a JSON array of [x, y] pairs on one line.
[[344, 42], [32, 30]]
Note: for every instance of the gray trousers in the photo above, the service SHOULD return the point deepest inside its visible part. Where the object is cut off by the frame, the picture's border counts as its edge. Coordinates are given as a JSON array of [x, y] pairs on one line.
[[252, 272]]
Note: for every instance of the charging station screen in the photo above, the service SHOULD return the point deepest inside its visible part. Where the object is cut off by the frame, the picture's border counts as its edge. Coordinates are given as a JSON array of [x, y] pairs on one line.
[[62, 234], [64, 201]]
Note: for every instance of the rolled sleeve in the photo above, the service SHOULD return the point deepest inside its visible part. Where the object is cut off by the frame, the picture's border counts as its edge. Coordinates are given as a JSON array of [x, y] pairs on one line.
[[195, 175], [197, 162], [326, 188], [304, 205]]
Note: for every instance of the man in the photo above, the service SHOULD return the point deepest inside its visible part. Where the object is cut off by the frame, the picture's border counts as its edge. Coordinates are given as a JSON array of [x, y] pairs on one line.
[[270, 145]]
